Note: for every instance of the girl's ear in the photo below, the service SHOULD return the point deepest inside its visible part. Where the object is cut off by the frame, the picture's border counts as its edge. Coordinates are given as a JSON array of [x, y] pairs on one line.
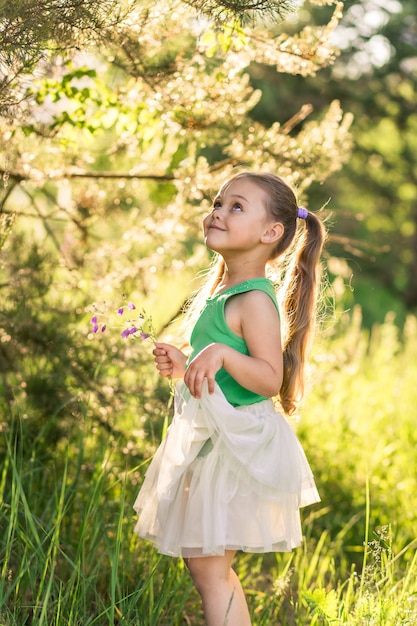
[[273, 233]]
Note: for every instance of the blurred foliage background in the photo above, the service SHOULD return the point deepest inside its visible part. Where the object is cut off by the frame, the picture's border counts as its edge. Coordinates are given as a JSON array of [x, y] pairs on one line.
[[119, 121]]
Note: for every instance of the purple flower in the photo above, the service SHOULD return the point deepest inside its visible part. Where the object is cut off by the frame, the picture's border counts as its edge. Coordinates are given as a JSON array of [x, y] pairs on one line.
[[103, 328], [131, 306], [94, 320], [144, 336], [129, 331], [120, 311], [95, 328]]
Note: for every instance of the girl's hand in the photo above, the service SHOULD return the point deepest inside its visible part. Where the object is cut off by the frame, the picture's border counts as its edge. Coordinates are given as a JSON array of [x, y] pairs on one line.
[[204, 366], [170, 362]]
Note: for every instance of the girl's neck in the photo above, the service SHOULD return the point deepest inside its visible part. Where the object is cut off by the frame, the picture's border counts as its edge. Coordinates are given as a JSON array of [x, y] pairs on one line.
[[236, 275]]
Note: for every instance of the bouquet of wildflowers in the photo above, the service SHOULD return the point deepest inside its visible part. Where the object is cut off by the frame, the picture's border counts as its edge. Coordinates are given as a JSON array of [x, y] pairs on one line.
[[134, 325]]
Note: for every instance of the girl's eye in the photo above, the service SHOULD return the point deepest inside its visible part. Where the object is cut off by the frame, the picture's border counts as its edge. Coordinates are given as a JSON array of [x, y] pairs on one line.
[[234, 207]]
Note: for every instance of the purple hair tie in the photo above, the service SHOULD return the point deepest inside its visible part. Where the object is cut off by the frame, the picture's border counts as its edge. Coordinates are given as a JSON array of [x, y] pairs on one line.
[[302, 213]]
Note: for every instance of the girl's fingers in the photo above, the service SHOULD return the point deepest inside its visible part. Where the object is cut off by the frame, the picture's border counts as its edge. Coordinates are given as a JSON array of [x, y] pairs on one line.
[[165, 370], [210, 384], [195, 381], [158, 352], [163, 362], [189, 381]]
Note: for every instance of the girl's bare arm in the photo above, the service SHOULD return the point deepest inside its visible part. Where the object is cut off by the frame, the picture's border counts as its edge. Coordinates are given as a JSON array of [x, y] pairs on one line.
[[261, 371]]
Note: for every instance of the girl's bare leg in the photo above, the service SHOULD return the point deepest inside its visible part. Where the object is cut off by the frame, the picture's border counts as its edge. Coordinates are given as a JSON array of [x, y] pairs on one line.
[[224, 602]]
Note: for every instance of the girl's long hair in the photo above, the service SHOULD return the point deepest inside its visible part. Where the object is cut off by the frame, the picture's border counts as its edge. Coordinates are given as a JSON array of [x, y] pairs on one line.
[[294, 267]]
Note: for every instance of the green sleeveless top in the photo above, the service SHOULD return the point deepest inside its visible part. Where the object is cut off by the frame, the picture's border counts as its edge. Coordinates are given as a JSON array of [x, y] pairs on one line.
[[211, 327]]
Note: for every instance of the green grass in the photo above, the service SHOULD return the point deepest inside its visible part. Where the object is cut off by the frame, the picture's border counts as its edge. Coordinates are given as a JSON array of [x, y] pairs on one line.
[[68, 555]]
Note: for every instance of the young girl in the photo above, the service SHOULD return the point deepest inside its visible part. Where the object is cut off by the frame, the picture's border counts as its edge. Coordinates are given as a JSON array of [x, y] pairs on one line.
[[230, 474]]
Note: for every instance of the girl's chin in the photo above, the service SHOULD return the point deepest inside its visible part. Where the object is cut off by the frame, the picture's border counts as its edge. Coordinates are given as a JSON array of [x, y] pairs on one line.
[[210, 245]]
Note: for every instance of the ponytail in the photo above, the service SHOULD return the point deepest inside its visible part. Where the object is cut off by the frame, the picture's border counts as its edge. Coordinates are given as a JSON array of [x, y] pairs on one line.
[[299, 308]]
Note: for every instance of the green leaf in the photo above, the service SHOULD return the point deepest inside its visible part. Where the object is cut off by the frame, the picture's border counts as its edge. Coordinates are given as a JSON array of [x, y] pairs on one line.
[[324, 604]]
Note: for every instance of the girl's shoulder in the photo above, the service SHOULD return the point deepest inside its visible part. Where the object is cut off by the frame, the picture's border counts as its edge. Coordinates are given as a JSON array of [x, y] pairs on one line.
[[252, 292]]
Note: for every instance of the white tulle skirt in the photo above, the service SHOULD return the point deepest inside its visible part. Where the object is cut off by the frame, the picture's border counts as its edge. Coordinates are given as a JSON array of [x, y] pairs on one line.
[[225, 478]]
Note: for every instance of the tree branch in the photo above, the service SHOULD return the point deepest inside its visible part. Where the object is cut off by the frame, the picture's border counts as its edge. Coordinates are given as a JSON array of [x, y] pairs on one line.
[[19, 177], [8, 188], [110, 175]]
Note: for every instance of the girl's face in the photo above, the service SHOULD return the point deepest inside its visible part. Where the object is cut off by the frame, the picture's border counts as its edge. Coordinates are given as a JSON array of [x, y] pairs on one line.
[[239, 218]]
